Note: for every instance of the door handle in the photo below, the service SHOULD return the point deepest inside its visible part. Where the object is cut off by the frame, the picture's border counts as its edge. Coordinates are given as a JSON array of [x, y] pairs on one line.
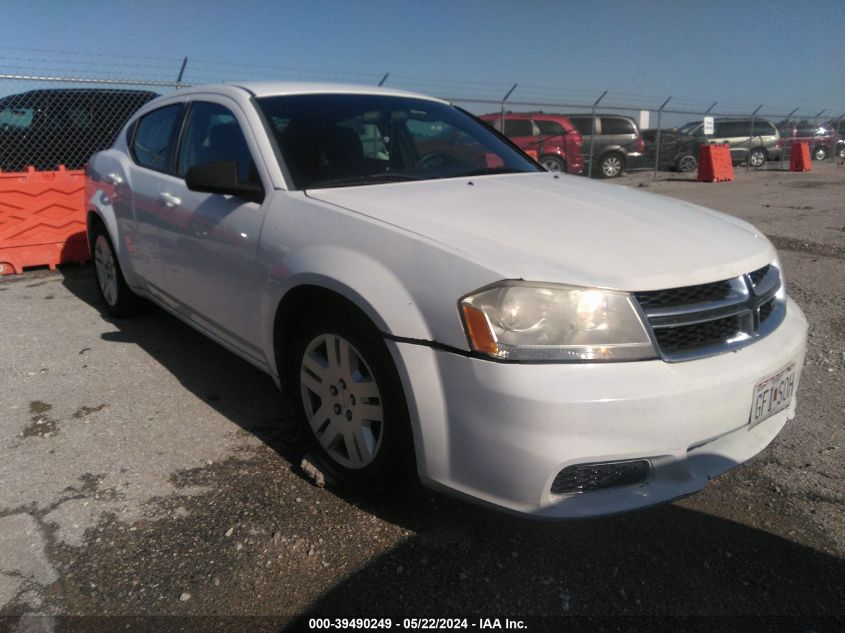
[[169, 199], [115, 179]]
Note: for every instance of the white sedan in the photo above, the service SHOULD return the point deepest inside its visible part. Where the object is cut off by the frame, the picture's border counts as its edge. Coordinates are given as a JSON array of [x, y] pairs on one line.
[[439, 306]]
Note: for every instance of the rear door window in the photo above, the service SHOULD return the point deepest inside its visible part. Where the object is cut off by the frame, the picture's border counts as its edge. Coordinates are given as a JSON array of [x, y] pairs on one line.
[[733, 129], [155, 137], [518, 127], [616, 125], [582, 124], [550, 128], [764, 128]]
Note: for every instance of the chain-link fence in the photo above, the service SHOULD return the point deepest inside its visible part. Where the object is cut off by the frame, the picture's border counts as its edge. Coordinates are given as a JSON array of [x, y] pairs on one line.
[[61, 108]]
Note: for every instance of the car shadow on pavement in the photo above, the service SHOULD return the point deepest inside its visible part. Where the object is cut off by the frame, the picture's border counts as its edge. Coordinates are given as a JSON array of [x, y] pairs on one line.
[[464, 561], [460, 560], [234, 388]]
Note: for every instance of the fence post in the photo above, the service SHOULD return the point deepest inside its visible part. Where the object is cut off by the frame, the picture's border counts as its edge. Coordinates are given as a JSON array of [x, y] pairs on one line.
[[505, 98], [657, 138], [838, 127], [593, 133], [383, 79], [783, 149], [751, 138], [181, 71]]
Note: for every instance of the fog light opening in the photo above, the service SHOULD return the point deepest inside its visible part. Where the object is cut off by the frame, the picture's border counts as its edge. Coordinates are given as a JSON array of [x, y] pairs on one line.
[[601, 476]]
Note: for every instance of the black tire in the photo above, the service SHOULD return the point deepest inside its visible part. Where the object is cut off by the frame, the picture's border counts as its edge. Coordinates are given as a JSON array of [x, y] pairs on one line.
[[611, 165], [819, 152], [757, 157], [553, 163], [841, 152], [686, 163], [393, 462], [118, 299]]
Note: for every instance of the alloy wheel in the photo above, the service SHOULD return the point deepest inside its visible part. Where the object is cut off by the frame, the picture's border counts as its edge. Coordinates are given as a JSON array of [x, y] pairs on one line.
[[611, 166]]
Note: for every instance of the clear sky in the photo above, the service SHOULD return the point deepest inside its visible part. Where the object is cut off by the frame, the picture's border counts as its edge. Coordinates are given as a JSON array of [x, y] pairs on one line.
[[741, 53]]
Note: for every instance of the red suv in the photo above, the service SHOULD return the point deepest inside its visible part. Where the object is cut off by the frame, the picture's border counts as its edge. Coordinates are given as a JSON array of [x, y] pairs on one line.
[[820, 137], [550, 139]]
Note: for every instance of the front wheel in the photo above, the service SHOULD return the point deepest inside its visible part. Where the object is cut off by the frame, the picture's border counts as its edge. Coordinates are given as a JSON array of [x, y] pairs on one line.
[[117, 297], [352, 402], [841, 152], [820, 152], [611, 165]]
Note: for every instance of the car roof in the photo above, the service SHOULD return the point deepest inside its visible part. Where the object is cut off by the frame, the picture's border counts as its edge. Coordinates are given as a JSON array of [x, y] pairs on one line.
[[283, 88]]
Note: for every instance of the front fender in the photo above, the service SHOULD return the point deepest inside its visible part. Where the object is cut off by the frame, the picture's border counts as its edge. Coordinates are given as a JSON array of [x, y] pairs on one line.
[[360, 279]]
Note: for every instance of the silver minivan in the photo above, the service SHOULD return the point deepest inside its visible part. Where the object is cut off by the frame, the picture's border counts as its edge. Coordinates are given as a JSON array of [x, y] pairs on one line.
[[754, 140]]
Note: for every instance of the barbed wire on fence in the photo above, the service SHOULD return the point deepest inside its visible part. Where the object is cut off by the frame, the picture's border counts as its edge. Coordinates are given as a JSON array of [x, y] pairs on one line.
[[26, 73]]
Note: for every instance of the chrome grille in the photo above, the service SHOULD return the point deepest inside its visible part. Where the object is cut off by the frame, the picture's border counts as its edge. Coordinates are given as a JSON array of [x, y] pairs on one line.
[[758, 275], [697, 335], [707, 319], [684, 296]]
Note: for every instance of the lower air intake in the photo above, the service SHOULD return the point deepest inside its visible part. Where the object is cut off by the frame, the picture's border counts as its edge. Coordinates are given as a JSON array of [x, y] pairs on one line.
[[590, 477]]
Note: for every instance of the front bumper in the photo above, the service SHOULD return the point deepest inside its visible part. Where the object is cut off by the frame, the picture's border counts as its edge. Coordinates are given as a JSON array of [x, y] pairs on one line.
[[499, 433]]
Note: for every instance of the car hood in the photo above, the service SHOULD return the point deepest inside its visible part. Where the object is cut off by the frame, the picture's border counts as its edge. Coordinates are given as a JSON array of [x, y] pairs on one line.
[[565, 229]]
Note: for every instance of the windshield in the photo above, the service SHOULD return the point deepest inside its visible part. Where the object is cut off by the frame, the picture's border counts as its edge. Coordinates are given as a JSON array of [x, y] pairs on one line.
[[341, 140], [688, 128]]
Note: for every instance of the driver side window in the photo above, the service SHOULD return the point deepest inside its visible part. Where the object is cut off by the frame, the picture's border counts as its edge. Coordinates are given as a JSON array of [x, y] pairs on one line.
[[212, 135]]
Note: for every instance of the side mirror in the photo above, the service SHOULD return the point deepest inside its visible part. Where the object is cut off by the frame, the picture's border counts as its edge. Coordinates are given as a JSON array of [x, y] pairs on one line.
[[222, 177]]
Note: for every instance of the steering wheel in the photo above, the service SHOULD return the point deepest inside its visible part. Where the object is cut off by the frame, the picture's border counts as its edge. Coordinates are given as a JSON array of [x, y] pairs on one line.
[[432, 160]]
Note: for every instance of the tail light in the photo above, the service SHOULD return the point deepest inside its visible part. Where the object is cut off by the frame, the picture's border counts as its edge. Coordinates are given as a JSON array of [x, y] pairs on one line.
[[640, 144]]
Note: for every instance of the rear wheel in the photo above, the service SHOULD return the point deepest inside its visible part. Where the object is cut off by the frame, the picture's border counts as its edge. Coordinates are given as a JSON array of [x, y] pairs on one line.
[[686, 163], [553, 163], [611, 165], [757, 157], [819, 152], [115, 294], [841, 152], [352, 404]]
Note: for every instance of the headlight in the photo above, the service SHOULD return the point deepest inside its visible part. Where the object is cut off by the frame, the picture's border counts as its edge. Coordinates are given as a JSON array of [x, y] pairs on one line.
[[516, 320]]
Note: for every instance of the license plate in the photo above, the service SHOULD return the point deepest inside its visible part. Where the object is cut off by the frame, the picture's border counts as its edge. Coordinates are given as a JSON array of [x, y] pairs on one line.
[[772, 394]]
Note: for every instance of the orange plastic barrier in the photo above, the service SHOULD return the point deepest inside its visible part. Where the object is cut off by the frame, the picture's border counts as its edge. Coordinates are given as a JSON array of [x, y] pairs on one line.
[[800, 159], [42, 219], [714, 164]]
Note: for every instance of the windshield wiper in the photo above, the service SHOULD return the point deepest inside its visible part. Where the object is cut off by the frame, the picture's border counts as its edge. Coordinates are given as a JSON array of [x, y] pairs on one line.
[[370, 179]]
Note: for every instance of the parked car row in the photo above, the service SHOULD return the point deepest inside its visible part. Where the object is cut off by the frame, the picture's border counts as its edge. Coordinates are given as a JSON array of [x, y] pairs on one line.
[[617, 144], [51, 127], [559, 142]]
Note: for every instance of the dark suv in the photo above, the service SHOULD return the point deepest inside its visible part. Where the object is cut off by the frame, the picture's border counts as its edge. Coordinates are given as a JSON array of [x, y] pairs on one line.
[[48, 128], [616, 140], [820, 137], [550, 139]]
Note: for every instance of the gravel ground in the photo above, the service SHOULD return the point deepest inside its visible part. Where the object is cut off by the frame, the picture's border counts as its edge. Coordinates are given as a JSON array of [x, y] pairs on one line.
[[147, 472]]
